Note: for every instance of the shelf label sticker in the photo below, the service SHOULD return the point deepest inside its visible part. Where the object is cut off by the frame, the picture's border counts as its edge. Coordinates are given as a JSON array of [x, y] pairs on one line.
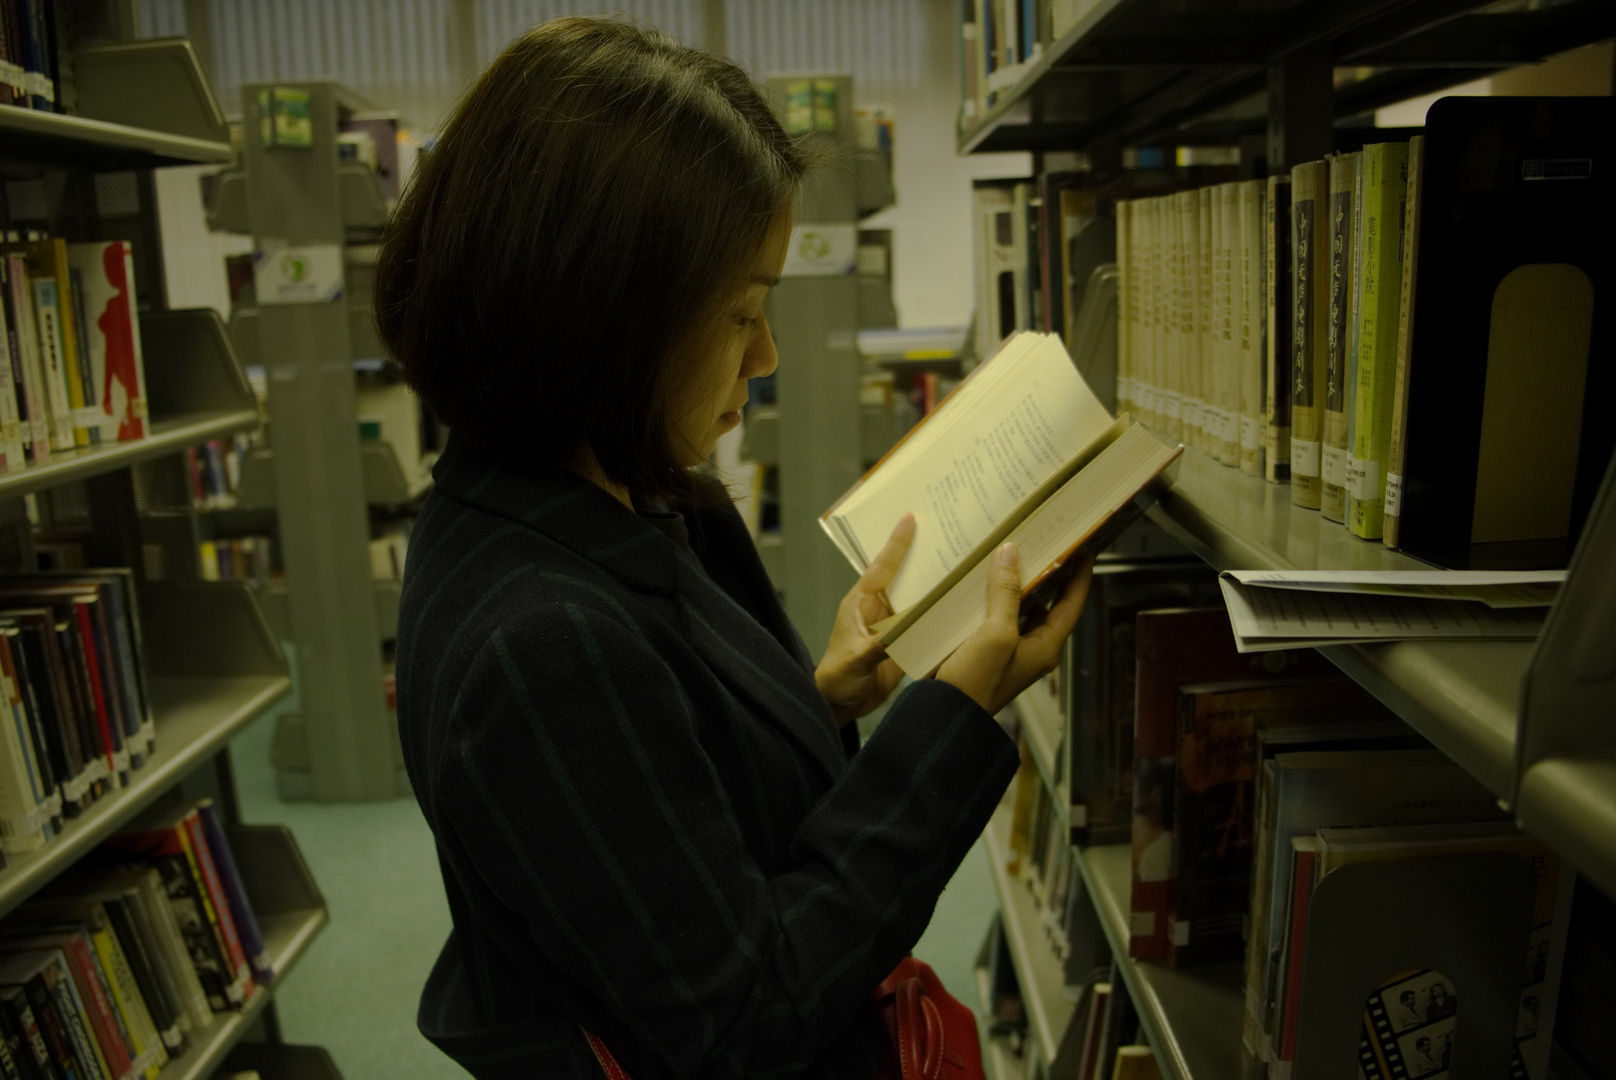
[[1394, 494], [1251, 432], [1363, 479], [1335, 466], [822, 251], [1304, 457], [306, 274]]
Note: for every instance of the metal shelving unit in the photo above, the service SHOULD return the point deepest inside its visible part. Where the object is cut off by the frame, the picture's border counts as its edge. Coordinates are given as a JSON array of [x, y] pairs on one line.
[[1191, 1017], [213, 661], [1040, 972], [1462, 695], [1277, 78], [1130, 72]]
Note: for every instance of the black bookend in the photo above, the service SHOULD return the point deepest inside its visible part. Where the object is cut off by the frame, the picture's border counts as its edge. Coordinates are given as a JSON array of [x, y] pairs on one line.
[[1373, 928], [1510, 378]]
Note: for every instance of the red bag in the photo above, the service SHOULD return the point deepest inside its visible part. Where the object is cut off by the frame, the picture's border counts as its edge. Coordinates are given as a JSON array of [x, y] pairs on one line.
[[933, 1034]]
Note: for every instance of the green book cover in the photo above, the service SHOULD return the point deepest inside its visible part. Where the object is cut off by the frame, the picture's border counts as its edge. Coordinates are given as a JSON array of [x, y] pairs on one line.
[[1385, 189]]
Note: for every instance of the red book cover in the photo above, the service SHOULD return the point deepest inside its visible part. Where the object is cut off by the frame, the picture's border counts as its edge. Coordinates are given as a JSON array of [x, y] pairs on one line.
[[1173, 649], [1302, 863], [98, 695]]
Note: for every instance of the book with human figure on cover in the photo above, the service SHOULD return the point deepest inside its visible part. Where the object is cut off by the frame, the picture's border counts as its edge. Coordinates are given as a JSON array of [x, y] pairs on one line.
[[1021, 451]]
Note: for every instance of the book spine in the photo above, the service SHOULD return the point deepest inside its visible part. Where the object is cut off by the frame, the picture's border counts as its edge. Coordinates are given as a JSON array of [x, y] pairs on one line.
[[89, 410], [1227, 317], [1125, 301], [235, 890], [1189, 329], [1385, 194], [152, 905], [53, 1028], [25, 714], [1150, 404], [145, 1045], [136, 424], [37, 433], [213, 889], [11, 441], [53, 362], [101, 1024], [111, 737], [1396, 446], [1277, 329], [1172, 318], [14, 1001], [1206, 212], [1249, 315], [1302, 876], [21, 826], [1343, 179], [137, 954], [76, 1024]]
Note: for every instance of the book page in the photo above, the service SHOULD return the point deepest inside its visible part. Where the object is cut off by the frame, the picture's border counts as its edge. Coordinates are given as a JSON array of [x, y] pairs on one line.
[[1497, 589], [1004, 439], [1265, 619]]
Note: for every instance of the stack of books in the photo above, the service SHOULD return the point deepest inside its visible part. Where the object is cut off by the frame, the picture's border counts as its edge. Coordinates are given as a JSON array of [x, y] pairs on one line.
[[73, 375]]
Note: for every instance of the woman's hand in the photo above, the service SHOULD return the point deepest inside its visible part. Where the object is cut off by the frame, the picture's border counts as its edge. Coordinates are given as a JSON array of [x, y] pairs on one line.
[[996, 663], [855, 675]]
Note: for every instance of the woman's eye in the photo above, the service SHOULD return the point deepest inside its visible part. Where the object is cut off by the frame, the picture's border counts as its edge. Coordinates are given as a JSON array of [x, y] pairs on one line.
[[745, 320]]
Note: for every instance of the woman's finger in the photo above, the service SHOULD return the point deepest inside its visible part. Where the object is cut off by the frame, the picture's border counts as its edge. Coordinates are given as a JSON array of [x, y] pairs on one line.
[[1004, 591], [1063, 615], [886, 563]]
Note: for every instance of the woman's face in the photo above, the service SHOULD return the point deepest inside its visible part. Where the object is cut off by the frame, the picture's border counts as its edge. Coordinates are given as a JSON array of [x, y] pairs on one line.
[[736, 347]]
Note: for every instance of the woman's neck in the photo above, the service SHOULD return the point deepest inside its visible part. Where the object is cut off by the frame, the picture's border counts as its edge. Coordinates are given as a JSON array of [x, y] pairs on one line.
[[587, 467]]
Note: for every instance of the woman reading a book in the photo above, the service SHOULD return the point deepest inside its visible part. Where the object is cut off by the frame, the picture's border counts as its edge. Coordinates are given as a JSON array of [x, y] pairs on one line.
[[653, 816]]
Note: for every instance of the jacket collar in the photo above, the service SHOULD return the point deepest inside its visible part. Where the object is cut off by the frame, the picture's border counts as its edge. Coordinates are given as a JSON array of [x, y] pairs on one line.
[[568, 509]]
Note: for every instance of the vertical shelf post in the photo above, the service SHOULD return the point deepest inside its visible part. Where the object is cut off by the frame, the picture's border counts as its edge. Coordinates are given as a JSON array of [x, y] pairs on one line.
[[814, 316], [1300, 118], [294, 200]]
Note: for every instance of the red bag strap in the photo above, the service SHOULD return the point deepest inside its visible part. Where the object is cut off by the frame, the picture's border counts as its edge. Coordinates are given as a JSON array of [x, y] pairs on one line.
[[613, 1070]]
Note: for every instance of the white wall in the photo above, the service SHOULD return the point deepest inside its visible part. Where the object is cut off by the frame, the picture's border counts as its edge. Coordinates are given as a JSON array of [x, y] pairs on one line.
[[931, 238]]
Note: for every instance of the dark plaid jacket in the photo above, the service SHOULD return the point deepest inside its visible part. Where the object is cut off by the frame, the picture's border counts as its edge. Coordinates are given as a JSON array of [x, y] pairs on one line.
[[646, 819]]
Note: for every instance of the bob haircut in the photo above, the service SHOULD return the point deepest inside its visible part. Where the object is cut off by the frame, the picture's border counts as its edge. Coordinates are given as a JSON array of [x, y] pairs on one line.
[[561, 249]]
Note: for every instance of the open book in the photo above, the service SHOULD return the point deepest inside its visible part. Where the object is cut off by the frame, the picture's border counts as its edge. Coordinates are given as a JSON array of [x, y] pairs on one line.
[[1021, 451]]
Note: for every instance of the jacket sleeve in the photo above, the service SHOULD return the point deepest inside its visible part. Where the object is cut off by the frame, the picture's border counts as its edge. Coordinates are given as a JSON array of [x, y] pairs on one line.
[[573, 775]]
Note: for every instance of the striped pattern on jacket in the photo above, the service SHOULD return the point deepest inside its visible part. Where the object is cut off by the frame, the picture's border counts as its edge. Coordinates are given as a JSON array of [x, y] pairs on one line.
[[646, 819]]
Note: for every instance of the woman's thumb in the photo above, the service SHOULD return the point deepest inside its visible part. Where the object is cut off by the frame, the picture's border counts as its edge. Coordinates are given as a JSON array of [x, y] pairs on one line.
[[1004, 586]]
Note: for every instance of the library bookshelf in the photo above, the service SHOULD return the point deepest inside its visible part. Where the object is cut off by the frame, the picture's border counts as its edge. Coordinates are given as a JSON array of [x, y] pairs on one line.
[[1118, 87], [215, 664]]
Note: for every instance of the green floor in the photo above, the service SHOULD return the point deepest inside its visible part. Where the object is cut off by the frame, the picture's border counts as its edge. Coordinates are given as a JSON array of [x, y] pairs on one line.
[[355, 991]]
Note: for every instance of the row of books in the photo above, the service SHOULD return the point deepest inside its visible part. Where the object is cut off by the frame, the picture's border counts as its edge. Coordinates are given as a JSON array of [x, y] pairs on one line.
[[1249, 779], [1266, 322], [74, 375], [1000, 40], [1256, 776], [237, 558], [121, 965], [1037, 244], [214, 471], [30, 35], [75, 707]]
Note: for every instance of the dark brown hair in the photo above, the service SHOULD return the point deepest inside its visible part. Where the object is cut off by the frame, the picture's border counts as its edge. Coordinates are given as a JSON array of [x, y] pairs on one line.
[[594, 193]]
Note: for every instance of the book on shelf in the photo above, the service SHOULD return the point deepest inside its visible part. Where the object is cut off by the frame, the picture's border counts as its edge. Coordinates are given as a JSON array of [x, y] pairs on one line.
[[1277, 328], [100, 973], [1343, 232], [1405, 1002], [1249, 315], [1280, 610], [169, 837], [1300, 792], [73, 374], [1033, 458], [1397, 441], [1173, 649], [1310, 284], [73, 672], [1101, 659], [32, 42], [1137, 1062], [1226, 730], [1507, 439], [1379, 261]]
